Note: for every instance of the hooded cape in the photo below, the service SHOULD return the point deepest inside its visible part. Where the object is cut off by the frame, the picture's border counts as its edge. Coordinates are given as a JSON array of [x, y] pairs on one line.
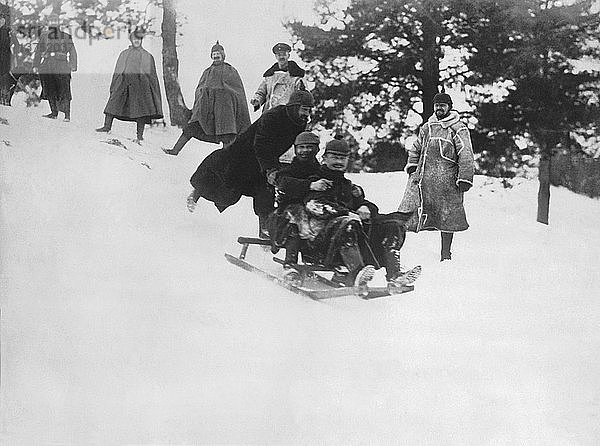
[[220, 104], [134, 90]]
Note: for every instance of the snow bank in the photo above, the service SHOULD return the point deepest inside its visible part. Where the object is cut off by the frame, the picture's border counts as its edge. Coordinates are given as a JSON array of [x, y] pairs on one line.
[[122, 323]]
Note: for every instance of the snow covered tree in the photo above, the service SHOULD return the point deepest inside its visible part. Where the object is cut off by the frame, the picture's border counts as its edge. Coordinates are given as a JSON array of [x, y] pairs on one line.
[[106, 19], [532, 48], [379, 60]]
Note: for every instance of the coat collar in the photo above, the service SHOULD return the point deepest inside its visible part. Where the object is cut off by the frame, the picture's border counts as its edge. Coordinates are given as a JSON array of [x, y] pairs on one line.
[[446, 122], [293, 69]]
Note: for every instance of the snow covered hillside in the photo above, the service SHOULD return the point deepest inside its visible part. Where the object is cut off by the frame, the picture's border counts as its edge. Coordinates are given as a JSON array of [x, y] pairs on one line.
[[122, 323]]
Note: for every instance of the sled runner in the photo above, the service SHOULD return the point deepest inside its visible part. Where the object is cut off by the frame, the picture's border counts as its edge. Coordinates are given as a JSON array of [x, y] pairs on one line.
[[312, 283]]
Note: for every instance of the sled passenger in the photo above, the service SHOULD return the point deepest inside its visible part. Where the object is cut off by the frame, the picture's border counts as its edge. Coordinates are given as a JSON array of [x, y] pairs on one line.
[[330, 221], [440, 168], [220, 109], [243, 167], [134, 90]]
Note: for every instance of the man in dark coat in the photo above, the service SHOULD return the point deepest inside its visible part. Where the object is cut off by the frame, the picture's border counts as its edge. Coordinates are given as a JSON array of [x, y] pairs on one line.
[[9, 47], [134, 90], [220, 109], [247, 165], [328, 214], [55, 58], [440, 167]]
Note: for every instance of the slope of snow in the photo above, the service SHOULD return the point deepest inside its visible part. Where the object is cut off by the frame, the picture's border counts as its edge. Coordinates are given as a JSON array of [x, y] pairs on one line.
[[122, 323]]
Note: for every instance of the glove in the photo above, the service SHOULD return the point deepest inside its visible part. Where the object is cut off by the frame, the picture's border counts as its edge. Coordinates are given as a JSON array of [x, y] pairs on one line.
[[255, 104], [271, 176], [410, 170], [463, 186]]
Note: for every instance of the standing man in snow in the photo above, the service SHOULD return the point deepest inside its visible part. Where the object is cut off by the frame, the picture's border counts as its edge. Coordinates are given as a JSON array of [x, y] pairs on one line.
[[220, 109], [440, 168], [9, 46], [279, 81], [248, 166], [134, 90], [55, 58]]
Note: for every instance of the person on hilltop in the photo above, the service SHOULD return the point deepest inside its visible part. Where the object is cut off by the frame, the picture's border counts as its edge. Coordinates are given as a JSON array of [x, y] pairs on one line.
[[279, 81], [9, 47], [55, 59], [220, 109], [440, 167], [134, 90], [247, 166]]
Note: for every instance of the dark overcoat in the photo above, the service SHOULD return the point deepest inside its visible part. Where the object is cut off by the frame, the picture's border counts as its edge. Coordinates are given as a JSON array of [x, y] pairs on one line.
[[134, 90], [55, 58], [220, 104], [239, 169]]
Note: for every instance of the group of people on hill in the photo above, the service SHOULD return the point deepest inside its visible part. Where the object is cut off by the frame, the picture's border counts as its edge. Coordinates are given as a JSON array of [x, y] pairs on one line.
[[303, 206]]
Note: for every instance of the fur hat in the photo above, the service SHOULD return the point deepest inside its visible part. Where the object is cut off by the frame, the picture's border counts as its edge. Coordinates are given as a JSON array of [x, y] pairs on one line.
[[302, 97], [281, 47], [337, 147], [138, 32], [442, 98], [218, 47], [306, 138]]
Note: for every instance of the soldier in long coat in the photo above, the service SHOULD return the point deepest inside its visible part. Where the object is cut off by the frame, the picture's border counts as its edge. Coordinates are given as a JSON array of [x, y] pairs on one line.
[[9, 46], [55, 58], [440, 168], [220, 111], [134, 90], [248, 165]]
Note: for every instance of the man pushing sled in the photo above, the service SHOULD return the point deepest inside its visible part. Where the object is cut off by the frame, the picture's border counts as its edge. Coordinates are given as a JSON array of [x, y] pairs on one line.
[[326, 217]]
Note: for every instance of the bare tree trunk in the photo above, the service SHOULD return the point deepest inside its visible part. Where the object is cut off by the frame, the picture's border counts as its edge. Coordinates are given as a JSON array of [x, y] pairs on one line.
[[178, 111], [543, 209], [431, 66]]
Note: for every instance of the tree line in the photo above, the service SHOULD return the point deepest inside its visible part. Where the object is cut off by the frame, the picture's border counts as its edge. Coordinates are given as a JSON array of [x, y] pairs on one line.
[[518, 62]]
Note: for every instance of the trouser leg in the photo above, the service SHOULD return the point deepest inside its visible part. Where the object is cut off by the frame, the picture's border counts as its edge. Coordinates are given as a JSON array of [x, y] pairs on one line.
[[446, 245], [53, 106], [108, 121], [66, 106], [140, 124], [387, 239], [292, 247], [180, 144]]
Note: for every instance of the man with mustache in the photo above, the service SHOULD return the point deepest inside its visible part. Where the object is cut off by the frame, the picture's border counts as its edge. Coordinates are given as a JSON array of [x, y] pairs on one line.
[[248, 165], [440, 165], [220, 110], [279, 81], [331, 221]]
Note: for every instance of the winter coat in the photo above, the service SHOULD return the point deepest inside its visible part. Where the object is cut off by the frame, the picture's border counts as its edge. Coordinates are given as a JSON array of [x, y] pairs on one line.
[[9, 47], [312, 210], [220, 104], [277, 86], [292, 182], [443, 155], [134, 90], [55, 53], [342, 192], [240, 168]]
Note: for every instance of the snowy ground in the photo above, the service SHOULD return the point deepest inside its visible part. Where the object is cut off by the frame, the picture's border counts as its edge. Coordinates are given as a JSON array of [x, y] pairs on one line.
[[122, 323]]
